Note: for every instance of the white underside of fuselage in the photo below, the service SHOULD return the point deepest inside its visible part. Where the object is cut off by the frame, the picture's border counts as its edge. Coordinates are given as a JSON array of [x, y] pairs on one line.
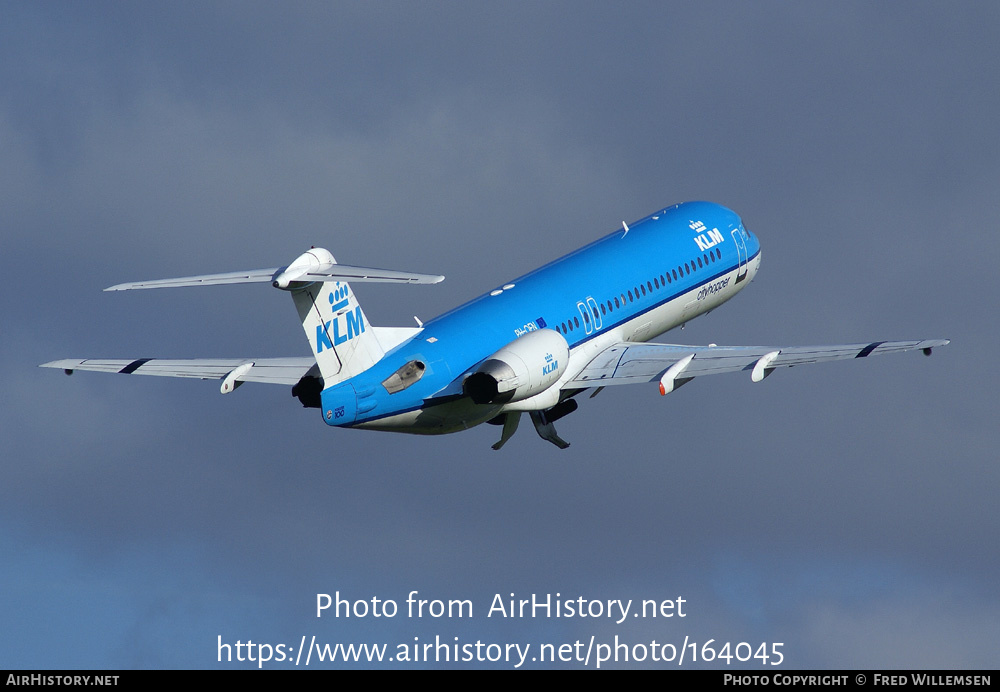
[[461, 414]]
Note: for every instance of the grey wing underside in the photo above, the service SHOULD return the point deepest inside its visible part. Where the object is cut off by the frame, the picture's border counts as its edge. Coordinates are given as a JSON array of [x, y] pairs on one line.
[[622, 363], [626, 363], [269, 370]]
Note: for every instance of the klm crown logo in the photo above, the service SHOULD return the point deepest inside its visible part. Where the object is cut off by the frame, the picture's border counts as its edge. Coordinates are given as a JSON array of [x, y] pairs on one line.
[[550, 364], [705, 238], [355, 323], [339, 298]]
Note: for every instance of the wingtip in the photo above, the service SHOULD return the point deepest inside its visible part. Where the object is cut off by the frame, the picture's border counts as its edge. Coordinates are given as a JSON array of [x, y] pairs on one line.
[[931, 345], [127, 286], [64, 365]]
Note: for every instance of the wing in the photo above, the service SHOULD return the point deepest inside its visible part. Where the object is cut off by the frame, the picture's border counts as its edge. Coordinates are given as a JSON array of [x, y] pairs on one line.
[[270, 370], [673, 365]]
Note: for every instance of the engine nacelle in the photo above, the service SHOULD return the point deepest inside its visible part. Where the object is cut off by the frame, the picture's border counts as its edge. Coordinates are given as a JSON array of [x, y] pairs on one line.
[[526, 366]]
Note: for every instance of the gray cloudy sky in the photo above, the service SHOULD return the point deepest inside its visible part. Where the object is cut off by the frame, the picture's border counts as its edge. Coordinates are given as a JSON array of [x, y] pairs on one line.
[[846, 510]]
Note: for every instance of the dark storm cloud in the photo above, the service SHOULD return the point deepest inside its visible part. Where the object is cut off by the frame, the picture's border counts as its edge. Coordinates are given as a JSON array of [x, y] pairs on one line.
[[142, 142]]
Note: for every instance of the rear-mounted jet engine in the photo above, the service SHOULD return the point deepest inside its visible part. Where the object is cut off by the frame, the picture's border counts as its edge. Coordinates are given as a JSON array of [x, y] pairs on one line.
[[523, 368]]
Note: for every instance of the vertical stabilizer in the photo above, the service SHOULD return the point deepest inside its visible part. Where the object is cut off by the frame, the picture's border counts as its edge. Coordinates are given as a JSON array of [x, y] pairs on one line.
[[342, 340]]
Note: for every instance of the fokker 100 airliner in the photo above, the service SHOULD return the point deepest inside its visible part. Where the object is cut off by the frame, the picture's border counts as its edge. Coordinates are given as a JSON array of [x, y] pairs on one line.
[[530, 345]]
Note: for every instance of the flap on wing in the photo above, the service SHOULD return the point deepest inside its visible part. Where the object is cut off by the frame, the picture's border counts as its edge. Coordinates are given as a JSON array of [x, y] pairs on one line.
[[626, 363], [269, 370]]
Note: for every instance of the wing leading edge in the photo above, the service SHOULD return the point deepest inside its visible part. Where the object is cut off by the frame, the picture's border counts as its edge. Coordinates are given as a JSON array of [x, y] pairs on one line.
[[674, 364]]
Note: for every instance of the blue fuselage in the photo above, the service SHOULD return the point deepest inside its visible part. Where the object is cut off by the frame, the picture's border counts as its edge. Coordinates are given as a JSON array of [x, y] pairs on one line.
[[631, 285]]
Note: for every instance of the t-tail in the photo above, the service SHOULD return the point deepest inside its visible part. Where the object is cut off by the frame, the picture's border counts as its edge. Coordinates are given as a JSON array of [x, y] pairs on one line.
[[340, 336]]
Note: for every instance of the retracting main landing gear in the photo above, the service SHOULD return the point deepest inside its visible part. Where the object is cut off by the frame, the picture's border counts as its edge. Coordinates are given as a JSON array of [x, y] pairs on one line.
[[510, 421], [547, 431], [542, 420]]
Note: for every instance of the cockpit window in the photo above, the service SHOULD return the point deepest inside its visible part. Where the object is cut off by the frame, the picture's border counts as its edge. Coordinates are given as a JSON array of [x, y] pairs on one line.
[[404, 377]]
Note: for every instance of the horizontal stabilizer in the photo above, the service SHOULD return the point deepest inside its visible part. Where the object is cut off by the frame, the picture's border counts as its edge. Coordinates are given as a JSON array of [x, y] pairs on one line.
[[256, 276], [334, 272]]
